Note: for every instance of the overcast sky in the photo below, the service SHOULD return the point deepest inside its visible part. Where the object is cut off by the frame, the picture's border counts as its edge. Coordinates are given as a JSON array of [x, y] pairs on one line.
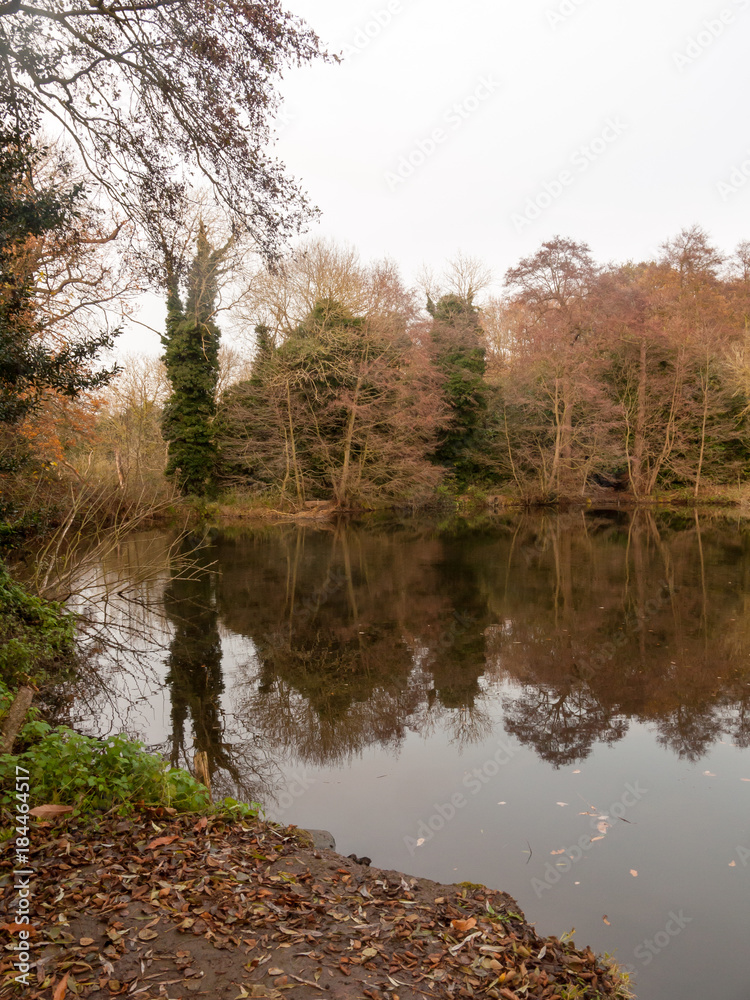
[[492, 125]]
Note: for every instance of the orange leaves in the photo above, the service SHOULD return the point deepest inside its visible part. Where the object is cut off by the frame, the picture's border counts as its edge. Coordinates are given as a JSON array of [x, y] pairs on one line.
[[62, 988], [464, 926], [161, 842], [50, 811]]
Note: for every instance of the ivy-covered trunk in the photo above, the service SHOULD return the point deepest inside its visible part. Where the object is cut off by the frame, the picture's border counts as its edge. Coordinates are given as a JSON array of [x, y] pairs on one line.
[[191, 358]]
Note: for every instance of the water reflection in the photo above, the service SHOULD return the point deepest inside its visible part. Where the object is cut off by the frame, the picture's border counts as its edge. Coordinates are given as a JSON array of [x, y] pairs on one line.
[[567, 626]]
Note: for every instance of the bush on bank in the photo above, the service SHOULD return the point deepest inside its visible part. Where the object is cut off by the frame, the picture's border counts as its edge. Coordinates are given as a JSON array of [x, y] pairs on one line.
[[37, 637]]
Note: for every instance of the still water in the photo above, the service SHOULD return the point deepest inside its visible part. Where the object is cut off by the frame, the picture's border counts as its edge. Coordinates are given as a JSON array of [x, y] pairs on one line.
[[553, 705]]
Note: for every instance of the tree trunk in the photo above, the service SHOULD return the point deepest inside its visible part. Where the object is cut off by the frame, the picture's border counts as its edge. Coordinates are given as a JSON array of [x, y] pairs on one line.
[[701, 456], [639, 449], [118, 466], [15, 718], [348, 440]]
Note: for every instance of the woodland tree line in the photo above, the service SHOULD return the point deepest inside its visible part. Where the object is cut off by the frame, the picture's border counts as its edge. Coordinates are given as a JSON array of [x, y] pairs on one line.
[[343, 384]]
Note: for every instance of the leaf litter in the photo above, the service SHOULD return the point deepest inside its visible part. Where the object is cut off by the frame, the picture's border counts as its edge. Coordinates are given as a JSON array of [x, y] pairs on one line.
[[179, 907]]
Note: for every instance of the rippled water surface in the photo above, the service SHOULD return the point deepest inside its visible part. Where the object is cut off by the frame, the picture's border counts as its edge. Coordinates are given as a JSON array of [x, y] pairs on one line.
[[553, 705]]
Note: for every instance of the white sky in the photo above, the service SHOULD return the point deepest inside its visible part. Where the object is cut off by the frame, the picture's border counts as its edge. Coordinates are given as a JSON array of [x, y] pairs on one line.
[[555, 72]]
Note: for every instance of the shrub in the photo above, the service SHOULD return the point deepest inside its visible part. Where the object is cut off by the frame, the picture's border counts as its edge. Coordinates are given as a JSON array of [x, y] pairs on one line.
[[35, 634], [67, 768]]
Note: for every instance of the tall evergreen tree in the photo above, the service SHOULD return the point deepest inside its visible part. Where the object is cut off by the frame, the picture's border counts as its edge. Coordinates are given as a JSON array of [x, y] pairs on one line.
[[459, 354], [30, 361], [191, 358]]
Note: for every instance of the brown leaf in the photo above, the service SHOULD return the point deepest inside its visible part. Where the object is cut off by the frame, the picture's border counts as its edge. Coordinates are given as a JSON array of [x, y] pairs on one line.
[[50, 812], [161, 841], [14, 928], [605, 918], [86, 942], [462, 926], [147, 935], [62, 987]]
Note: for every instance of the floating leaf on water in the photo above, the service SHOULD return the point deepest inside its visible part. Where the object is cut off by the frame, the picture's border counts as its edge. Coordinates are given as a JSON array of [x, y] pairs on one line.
[[732, 864], [709, 774], [634, 873], [555, 853], [561, 803], [605, 918], [420, 842]]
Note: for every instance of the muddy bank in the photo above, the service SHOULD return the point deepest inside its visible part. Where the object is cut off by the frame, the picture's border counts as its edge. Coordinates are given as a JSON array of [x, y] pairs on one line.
[[184, 906]]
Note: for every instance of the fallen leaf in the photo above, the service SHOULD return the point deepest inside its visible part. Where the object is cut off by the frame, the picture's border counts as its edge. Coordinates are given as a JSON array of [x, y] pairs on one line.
[[634, 873], [49, 812], [161, 841], [732, 864], [62, 987], [577, 772], [594, 839], [555, 853], [462, 926], [86, 942], [275, 972], [420, 842], [605, 918], [562, 803], [14, 928], [147, 935], [372, 952], [709, 774], [744, 779]]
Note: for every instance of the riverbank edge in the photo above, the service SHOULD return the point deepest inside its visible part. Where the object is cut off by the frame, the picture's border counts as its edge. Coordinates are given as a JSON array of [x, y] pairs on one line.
[[322, 512], [366, 928]]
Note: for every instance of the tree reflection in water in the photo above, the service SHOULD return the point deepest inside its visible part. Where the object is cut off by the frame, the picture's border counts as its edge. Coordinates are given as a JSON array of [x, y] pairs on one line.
[[317, 643]]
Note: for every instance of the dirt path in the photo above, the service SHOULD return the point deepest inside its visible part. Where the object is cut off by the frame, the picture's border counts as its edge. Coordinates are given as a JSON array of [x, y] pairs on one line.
[[180, 907]]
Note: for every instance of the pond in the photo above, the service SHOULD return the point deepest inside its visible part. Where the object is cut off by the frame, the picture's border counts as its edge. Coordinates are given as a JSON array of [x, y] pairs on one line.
[[556, 705]]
